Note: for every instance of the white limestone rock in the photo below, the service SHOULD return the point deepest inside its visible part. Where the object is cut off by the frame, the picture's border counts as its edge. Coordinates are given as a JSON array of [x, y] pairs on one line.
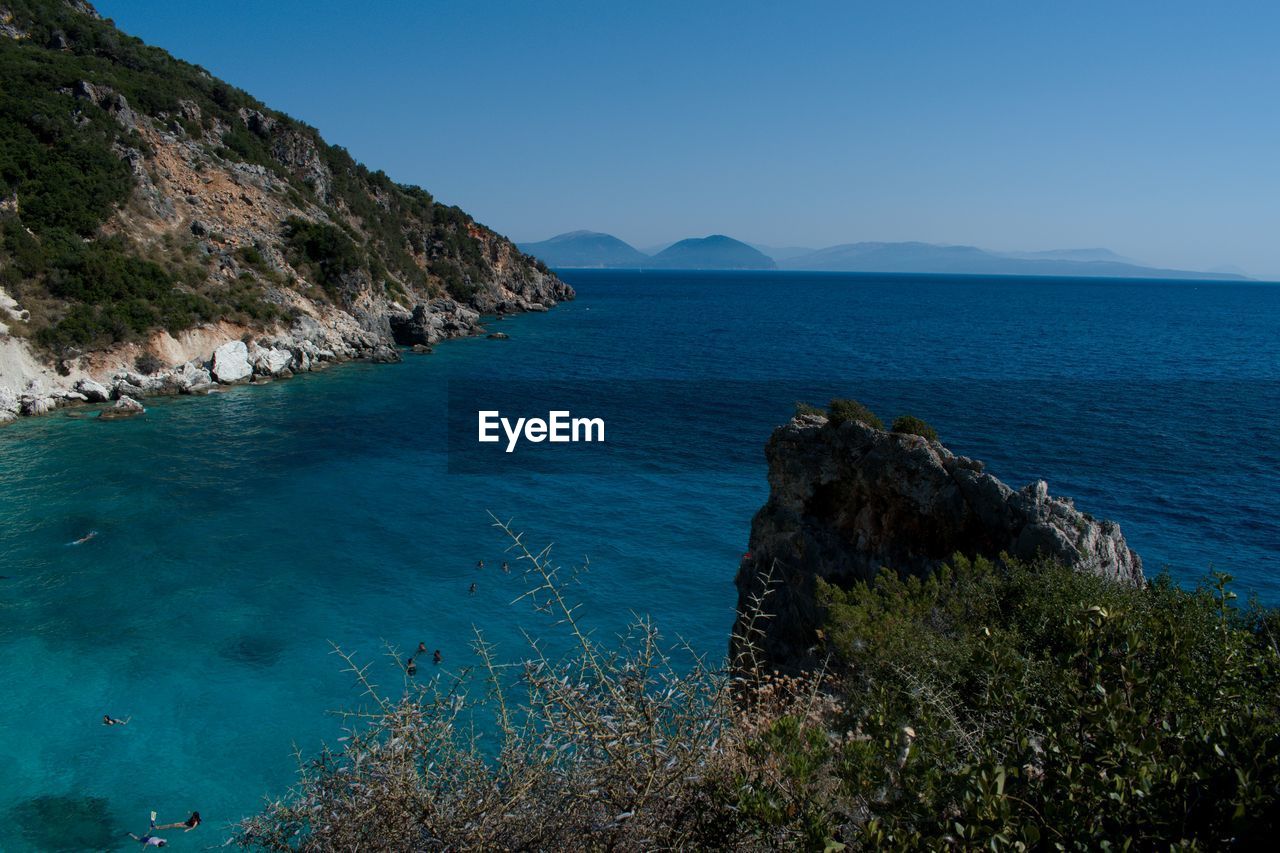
[[94, 392], [231, 363]]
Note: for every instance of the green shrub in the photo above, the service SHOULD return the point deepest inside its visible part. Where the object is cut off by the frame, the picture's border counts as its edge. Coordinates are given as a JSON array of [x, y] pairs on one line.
[[912, 425], [803, 408], [251, 255], [843, 410], [323, 248], [56, 156], [113, 294], [1006, 704]]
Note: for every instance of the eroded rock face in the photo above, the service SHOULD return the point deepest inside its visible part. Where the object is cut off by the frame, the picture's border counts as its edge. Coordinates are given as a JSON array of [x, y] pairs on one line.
[[846, 500]]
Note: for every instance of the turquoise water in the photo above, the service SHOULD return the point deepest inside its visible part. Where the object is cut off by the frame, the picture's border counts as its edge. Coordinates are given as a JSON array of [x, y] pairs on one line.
[[238, 535]]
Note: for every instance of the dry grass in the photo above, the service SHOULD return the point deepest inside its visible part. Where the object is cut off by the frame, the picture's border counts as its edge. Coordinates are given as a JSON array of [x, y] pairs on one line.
[[620, 748]]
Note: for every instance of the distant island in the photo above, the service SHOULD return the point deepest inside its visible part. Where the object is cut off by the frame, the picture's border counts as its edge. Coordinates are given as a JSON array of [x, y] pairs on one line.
[[592, 249], [587, 249]]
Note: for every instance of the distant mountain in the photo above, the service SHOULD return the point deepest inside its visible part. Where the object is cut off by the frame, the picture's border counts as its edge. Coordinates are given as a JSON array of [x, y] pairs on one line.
[[591, 249], [585, 249], [716, 252], [1070, 255], [783, 253], [930, 258]]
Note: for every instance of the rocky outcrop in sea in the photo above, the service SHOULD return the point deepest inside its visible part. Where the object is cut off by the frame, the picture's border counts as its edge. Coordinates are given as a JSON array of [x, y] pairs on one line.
[[846, 499]]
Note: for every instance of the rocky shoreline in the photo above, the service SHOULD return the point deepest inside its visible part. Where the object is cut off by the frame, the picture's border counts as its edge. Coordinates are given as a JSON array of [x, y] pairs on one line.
[[309, 344]]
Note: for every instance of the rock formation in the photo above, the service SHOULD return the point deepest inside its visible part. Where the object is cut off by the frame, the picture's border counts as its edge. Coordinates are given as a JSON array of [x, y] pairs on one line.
[[846, 500], [434, 321], [125, 407], [231, 363]]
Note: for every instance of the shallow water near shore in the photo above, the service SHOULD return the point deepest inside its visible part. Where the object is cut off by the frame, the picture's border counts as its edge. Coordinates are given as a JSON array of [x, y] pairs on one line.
[[239, 535]]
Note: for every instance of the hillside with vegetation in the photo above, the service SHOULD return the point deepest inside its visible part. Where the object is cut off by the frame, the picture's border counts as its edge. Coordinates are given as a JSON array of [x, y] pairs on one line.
[[141, 195]]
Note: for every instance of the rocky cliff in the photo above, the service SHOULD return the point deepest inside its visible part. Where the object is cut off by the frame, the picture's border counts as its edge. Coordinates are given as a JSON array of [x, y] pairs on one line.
[[150, 213], [846, 500]]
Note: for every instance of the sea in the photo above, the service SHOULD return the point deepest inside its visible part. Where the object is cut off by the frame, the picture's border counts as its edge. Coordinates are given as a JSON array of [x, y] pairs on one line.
[[237, 540]]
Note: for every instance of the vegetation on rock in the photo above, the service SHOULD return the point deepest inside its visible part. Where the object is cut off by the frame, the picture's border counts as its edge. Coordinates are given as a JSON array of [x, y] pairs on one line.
[[911, 425], [843, 410], [803, 408]]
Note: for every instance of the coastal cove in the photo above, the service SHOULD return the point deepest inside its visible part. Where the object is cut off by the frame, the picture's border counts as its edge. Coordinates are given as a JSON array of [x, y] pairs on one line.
[[239, 534]]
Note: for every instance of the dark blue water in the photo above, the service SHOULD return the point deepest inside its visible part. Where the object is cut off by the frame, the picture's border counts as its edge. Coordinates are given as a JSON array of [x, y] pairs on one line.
[[239, 535]]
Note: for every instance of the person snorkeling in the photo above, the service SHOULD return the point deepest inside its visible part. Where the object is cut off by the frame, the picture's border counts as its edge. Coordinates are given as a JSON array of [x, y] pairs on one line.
[[186, 825], [150, 839]]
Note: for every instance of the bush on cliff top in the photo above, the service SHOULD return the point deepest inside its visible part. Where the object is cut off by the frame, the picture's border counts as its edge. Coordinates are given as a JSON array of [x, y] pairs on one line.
[[997, 705], [911, 425], [843, 410], [988, 706]]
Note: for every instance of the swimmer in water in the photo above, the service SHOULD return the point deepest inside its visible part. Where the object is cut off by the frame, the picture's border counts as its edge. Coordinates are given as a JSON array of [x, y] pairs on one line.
[[479, 564], [149, 840], [422, 649], [186, 825], [472, 591], [506, 567], [437, 657], [85, 538], [411, 667], [108, 720]]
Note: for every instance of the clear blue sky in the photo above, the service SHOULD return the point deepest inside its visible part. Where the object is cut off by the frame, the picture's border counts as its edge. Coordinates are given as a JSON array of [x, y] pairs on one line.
[[1150, 128]]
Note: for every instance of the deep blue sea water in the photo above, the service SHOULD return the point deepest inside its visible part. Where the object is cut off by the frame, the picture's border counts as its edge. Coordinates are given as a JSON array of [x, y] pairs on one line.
[[239, 535]]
